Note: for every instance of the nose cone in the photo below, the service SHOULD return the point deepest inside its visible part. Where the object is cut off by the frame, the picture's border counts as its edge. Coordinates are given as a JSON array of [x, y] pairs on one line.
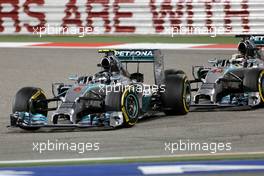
[[74, 92]]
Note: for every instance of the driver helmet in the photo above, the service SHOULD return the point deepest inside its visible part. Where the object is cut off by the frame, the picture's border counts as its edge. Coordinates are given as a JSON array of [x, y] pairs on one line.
[[110, 64], [247, 48]]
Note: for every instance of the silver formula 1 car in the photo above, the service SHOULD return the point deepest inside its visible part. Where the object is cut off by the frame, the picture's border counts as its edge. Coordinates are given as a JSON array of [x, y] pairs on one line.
[[234, 82], [110, 98]]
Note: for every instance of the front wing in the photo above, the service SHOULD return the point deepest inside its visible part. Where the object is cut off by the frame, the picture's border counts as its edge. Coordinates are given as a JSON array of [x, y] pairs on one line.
[[215, 107], [105, 120]]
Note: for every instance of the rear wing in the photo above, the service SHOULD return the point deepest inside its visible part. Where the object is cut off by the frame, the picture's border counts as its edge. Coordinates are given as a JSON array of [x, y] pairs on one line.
[[132, 55], [257, 39]]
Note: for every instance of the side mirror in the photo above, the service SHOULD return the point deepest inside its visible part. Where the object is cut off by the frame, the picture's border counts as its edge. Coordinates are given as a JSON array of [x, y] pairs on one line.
[[200, 72], [251, 61], [73, 77], [212, 61]]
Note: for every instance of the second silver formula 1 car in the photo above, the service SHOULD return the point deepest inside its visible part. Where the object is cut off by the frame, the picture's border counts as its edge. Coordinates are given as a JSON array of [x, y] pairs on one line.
[[234, 82]]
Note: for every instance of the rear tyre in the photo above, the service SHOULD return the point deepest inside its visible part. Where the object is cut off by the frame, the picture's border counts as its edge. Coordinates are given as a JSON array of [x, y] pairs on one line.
[[173, 72], [177, 96], [25, 101], [127, 102]]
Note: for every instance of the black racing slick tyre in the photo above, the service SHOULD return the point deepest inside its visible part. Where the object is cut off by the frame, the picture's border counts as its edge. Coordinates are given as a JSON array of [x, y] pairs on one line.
[[254, 81], [126, 102], [172, 72], [177, 96], [26, 101]]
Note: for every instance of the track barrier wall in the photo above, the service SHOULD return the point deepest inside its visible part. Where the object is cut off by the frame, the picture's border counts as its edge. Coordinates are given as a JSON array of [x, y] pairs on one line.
[[155, 17]]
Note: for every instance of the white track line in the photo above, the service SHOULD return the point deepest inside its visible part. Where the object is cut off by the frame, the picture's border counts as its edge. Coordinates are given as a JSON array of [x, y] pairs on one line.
[[165, 46], [128, 157], [156, 46], [18, 44], [181, 169]]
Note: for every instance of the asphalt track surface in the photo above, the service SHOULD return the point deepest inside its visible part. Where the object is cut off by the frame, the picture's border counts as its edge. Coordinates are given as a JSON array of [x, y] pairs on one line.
[[41, 67]]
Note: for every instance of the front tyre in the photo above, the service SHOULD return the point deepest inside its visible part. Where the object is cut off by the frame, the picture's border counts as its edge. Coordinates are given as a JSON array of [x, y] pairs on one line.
[[254, 82], [27, 100], [130, 107], [261, 85], [127, 102]]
